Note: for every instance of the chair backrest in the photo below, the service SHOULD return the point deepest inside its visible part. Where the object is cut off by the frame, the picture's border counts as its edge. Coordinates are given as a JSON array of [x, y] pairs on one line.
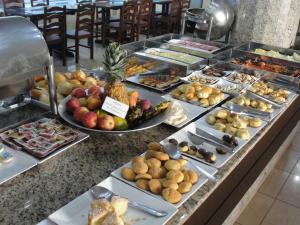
[[129, 14], [54, 22], [39, 3], [145, 11], [12, 4], [85, 18], [185, 5], [175, 11]]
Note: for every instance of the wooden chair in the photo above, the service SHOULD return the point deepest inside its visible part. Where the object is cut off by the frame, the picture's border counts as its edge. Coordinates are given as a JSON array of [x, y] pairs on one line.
[[144, 18], [84, 29], [169, 23], [126, 29], [35, 3], [54, 30], [98, 22], [12, 4]]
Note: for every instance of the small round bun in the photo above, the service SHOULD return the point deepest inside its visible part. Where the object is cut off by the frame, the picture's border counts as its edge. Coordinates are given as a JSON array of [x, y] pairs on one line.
[[185, 187], [144, 176], [128, 174], [140, 167], [155, 186], [170, 184], [153, 163], [175, 175], [171, 195], [143, 184], [172, 165], [191, 176]]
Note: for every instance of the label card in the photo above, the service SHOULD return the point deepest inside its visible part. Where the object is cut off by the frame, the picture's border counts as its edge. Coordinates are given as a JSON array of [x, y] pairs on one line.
[[115, 107]]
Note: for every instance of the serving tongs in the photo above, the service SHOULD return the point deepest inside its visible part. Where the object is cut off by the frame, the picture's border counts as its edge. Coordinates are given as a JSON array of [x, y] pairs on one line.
[[12, 103], [203, 136], [235, 108]]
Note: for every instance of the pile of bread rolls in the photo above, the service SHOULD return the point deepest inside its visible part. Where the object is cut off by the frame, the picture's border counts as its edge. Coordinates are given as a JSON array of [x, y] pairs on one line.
[[157, 173], [253, 103], [232, 123], [198, 94]]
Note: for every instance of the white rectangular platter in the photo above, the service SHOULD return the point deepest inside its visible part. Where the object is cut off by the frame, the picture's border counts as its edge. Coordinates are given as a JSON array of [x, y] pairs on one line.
[[202, 180], [76, 212], [181, 135], [21, 162], [192, 111], [204, 125]]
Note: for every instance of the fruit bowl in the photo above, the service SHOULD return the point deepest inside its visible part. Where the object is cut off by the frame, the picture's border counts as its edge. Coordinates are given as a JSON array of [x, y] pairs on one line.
[[146, 124]]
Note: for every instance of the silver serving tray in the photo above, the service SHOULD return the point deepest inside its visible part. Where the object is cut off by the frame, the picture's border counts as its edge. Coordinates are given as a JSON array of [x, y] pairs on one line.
[[181, 135], [136, 80], [222, 83], [199, 74], [276, 108], [157, 120], [204, 125], [229, 55], [251, 46], [192, 111], [238, 72], [291, 96], [202, 180]]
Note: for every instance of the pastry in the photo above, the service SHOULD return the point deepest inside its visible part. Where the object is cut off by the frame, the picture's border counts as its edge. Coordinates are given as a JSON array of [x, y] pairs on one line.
[[172, 165], [239, 123], [213, 99], [220, 126], [128, 174], [211, 119], [171, 195], [231, 116], [255, 122], [204, 102], [138, 159], [182, 162], [173, 141], [230, 129], [210, 157], [154, 146], [192, 150], [112, 218], [243, 134], [183, 146], [191, 176], [153, 163], [161, 156], [140, 167], [222, 114], [99, 210], [144, 176], [155, 186], [175, 175], [157, 172], [170, 184], [202, 94], [143, 184], [184, 187], [119, 204]]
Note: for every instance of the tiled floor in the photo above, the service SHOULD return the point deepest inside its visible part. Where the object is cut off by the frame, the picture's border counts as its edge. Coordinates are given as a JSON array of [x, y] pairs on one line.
[[278, 200]]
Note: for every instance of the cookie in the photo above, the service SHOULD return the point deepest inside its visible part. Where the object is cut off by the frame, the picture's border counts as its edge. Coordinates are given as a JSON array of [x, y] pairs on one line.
[[143, 184], [128, 174], [144, 176], [171, 195], [185, 187], [172, 165], [153, 163], [140, 167], [190, 176], [155, 186], [175, 175]]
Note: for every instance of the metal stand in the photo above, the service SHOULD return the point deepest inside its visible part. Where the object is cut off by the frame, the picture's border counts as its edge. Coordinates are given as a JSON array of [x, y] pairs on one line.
[[52, 87]]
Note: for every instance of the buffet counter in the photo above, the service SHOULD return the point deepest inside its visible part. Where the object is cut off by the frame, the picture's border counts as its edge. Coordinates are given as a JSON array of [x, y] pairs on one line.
[[35, 194]]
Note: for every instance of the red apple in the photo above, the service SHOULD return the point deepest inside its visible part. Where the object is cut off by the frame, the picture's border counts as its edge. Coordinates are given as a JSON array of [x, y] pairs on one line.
[[72, 104], [89, 120], [146, 104], [94, 90], [106, 122], [79, 113], [78, 93], [93, 102]]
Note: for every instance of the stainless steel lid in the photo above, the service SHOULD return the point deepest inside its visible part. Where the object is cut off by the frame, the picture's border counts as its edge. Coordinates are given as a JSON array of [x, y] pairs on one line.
[[24, 52]]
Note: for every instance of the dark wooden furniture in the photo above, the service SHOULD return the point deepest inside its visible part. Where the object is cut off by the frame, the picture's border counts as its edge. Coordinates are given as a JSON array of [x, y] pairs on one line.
[[126, 29], [12, 4], [144, 18], [35, 3], [54, 30], [84, 30], [168, 23]]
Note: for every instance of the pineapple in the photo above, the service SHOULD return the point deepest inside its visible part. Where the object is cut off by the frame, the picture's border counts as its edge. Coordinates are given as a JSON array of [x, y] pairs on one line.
[[114, 64]]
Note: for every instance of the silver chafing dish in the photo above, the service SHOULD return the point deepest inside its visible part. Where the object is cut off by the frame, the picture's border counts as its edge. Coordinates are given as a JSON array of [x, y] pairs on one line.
[[24, 55], [211, 23]]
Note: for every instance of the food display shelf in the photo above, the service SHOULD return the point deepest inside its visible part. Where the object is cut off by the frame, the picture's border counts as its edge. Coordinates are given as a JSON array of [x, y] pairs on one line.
[[252, 46], [232, 54]]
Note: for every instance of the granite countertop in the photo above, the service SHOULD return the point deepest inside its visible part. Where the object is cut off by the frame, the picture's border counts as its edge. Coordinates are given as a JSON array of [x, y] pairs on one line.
[[35, 194]]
